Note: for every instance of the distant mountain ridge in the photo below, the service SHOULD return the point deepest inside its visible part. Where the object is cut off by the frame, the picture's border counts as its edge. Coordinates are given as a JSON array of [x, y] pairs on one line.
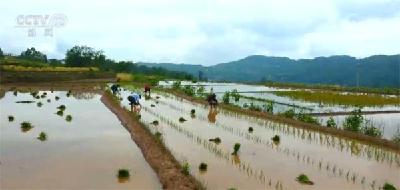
[[373, 71]]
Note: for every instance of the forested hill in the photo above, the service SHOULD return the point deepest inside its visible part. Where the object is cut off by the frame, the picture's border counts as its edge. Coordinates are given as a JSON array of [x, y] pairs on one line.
[[373, 71]]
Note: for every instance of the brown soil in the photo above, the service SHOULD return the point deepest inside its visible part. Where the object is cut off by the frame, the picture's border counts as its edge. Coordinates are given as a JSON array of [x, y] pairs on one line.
[[384, 143], [160, 159]]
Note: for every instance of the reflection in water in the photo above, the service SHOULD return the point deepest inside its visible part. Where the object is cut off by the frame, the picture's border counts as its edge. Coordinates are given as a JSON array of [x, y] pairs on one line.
[[212, 114]]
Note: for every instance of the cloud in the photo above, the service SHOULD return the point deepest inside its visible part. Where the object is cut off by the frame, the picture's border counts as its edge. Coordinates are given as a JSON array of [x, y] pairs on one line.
[[209, 32]]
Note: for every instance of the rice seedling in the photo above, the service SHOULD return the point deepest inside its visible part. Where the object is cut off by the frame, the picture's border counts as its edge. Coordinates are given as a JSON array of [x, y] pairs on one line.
[[26, 126], [157, 97], [152, 105], [370, 130], [69, 93], [56, 98], [155, 122], [251, 129], [68, 118], [15, 93], [123, 173], [10, 118], [303, 179], [61, 108], [236, 148], [60, 113], [181, 119], [25, 102], [396, 137], [388, 186], [48, 100], [39, 104], [42, 136], [216, 140], [276, 139], [37, 97], [203, 166], [186, 168], [226, 98], [42, 96], [193, 111]]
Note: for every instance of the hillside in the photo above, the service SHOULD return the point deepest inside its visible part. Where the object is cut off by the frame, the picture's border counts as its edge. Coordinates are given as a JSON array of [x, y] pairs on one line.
[[373, 71]]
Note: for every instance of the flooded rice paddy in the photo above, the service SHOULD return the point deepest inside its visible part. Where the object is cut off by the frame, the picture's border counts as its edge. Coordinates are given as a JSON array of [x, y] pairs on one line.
[[331, 162], [83, 151]]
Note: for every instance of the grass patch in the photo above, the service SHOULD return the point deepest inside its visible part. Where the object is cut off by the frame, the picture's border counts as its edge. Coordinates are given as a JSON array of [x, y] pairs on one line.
[[11, 118], [26, 126], [203, 166], [42, 136], [303, 179], [123, 173], [236, 148], [68, 118], [333, 98], [186, 168]]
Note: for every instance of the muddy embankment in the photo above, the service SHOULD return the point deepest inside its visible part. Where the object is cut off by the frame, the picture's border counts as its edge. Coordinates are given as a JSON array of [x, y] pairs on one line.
[[160, 159], [384, 143]]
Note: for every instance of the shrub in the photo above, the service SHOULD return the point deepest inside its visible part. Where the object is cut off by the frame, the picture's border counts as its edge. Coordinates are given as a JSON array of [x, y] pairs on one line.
[[61, 108], [123, 173], [203, 166], [302, 178], [289, 113], [270, 107], [226, 98], [68, 118], [26, 126], [236, 148], [235, 95], [155, 122], [354, 121], [216, 140], [388, 186], [371, 130], [251, 129], [331, 123], [200, 91], [181, 119], [42, 136], [304, 117], [10, 118], [186, 168], [189, 90], [176, 85]]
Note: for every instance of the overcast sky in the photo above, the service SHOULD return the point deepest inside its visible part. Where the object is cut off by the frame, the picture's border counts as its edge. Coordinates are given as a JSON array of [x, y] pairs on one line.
[[208, 32]]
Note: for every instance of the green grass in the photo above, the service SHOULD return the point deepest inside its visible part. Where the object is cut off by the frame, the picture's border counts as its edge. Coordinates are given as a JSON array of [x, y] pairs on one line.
[[26, 126], [11, 118], [42, 136], [123, 173], [68, 118], [334, 98], [203, 166], [303, 179]]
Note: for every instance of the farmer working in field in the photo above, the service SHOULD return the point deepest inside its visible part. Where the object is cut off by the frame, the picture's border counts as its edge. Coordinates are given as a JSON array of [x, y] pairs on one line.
[[146, 89], [212, 100], [114, 88], [134, 101]]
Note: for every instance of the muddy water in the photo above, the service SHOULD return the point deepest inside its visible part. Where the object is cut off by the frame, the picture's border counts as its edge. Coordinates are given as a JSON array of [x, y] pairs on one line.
[[85, 153], [331, 162]]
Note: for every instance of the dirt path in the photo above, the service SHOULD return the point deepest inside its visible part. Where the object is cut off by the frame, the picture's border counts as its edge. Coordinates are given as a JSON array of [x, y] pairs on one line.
[[160, 159]]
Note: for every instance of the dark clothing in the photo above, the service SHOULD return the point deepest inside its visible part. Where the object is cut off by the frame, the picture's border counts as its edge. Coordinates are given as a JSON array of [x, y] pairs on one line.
[[212, 99]]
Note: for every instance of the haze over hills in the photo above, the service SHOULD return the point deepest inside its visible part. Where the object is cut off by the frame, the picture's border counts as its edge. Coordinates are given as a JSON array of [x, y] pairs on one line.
[[373, 71]]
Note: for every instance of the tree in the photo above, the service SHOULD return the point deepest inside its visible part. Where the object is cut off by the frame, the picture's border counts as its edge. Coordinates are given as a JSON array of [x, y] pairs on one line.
[[83, 56], [33, 54], [1, 54]]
